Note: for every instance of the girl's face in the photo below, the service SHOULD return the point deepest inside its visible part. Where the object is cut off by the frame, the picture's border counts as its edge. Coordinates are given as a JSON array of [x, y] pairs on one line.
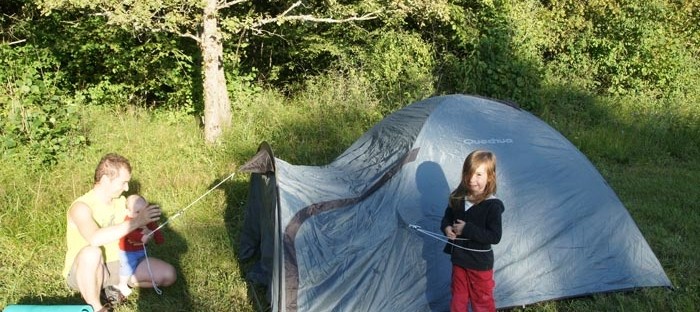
[[477, 182]]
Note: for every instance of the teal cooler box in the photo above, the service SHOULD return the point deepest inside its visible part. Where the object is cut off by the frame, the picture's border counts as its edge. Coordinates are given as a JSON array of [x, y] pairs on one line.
[[47, 308]]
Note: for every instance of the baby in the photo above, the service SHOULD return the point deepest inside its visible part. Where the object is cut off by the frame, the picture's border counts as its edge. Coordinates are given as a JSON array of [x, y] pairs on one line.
[[131, 251]]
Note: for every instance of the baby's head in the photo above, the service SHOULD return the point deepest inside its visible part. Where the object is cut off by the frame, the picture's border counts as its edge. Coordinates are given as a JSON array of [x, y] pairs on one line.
[[134, 204]]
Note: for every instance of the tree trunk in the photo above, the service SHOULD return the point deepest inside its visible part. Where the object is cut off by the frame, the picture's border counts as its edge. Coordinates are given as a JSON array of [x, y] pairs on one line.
[[217, 105]]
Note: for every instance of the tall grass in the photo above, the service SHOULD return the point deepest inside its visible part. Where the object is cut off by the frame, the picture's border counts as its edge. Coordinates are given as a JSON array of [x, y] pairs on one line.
[[648, 155]]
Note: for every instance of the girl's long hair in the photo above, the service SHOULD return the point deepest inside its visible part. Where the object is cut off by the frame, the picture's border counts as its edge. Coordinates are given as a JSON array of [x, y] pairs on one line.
[[471, 163]]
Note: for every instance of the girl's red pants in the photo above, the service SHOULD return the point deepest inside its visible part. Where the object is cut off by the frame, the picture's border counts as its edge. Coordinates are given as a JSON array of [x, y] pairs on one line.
[[475, 287]]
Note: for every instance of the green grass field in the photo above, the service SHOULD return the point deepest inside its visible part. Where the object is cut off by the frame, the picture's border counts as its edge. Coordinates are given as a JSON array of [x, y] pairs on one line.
[[645, 157]]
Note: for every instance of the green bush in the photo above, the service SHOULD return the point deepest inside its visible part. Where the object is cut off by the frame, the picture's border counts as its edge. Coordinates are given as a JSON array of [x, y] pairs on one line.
[[492, 49], [620, 47], [111, 66], [399, 66], [36, 119]]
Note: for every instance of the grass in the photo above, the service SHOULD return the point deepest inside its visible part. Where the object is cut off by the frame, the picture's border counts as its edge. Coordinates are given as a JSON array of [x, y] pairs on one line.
[[642, 158]]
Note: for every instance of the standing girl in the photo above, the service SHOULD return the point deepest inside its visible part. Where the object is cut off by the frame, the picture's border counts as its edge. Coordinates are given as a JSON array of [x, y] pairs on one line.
[[472, 222]]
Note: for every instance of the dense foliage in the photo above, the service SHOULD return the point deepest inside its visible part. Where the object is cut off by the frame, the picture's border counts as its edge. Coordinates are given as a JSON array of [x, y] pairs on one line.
[[522, 51], [35, 113]]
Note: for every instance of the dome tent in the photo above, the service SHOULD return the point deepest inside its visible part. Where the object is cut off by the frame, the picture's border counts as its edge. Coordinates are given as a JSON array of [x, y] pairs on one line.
[[340, 237]]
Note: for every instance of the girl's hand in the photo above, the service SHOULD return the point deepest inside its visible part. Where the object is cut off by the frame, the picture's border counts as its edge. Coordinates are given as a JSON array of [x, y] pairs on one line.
[[449, 232], [458, 227]]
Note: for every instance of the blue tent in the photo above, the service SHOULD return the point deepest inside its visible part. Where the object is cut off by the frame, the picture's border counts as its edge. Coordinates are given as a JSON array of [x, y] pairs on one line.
[[342, 237]]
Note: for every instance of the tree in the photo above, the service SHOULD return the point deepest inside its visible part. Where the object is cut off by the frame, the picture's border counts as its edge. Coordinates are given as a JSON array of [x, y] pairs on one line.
[[208, 22]]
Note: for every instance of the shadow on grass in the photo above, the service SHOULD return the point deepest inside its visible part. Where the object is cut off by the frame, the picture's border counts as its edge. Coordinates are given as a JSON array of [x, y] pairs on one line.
[[175, 297], [236, 194]]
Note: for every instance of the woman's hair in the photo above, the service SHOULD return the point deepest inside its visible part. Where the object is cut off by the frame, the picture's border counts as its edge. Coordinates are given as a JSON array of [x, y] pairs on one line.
[[471, 163], [109, 165]]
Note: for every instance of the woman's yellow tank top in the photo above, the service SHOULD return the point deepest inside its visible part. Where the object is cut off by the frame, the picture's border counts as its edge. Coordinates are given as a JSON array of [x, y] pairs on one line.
[[103, 215]]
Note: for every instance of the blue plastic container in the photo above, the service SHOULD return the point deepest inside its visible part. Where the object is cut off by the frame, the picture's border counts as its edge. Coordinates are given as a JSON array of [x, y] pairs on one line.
[[47, 308]]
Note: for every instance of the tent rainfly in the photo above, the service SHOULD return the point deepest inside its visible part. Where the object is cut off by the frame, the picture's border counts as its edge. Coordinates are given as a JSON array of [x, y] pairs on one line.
[[337, 237]]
